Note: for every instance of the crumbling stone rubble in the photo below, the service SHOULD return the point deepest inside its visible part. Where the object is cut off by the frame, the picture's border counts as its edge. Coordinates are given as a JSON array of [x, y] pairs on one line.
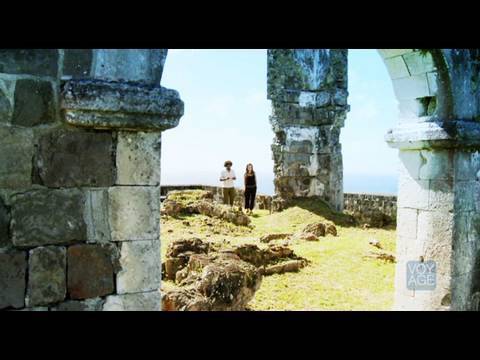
[[201, 202], [311, 232], [214, 279], [214, 282]]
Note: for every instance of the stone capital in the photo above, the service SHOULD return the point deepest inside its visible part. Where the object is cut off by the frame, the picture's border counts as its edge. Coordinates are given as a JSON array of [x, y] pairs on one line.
[[434, 135], [107, 104]]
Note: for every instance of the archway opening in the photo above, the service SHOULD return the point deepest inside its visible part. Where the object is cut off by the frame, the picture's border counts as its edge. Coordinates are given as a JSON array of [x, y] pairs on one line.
[[226, 117], [369, 164]]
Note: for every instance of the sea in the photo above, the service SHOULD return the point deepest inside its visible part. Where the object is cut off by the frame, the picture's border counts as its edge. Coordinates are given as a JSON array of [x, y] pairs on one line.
[[352, 183]]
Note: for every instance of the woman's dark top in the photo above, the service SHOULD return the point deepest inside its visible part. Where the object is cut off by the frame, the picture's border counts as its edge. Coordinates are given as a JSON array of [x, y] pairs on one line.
[[250, 181]]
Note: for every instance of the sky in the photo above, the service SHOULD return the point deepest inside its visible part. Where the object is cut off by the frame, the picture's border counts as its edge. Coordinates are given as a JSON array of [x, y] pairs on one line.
[[226, 117]]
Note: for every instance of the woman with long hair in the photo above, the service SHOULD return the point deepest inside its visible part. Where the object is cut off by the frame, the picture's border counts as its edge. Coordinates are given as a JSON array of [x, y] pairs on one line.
[[250, 188]]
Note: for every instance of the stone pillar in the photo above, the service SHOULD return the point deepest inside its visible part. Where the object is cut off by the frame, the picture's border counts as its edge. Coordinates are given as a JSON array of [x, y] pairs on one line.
[[439, 189], [438, 211], [308, 91], [80, 142]]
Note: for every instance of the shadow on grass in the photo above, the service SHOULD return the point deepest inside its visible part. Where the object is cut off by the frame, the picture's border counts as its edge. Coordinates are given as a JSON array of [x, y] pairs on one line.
[[320, 207]]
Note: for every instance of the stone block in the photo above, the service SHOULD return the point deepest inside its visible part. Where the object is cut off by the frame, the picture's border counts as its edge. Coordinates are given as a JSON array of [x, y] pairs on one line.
[[5, 107], [307, 98], [144, 65], [435, 235], [412, 87], [436, 165], [412, 193], [95, 304], [306, 69], [103, 104], [34, 103], [418, 63], [293, 157], [77, 62], [324, 98], [473, 229], [138, 158], [340, 97], [441, 195], [407, 222], [75, 158], [396, 67], [141, 267], [134, 213], [403, 244], [91, 270], [48, 217], [148, 301], [13, 269], [16, 152], [47, 276], [42, 62], [467, 196], [96, 216], [302, 146], [4, 225], [467, 165], [427, 164]]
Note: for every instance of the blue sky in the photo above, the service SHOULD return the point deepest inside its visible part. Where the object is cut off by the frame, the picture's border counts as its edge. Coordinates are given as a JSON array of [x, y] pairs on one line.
[[226, 117]]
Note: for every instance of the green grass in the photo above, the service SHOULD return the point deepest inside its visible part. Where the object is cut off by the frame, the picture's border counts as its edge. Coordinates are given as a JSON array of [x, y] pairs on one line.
[[339, 277]]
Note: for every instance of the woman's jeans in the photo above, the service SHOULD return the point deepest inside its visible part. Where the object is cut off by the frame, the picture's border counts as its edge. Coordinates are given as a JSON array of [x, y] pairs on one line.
[[250, 197]]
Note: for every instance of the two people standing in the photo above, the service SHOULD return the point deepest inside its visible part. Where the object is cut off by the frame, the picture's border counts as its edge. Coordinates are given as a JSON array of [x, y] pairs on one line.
[[227, 177]]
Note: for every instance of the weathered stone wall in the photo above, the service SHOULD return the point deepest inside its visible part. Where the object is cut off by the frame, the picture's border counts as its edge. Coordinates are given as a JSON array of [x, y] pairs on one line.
[[80, 139], [371, 209], [308, 91]]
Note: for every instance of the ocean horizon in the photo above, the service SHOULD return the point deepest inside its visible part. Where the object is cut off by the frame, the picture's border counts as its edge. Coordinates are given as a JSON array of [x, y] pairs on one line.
[[352, 183]]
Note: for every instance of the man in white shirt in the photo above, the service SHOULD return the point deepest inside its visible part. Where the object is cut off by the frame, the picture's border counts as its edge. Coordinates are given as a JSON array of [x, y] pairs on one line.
[[227, 177]]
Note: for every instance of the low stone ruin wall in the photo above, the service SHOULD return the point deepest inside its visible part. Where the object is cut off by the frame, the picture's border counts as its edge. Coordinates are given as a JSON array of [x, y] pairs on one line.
[[371, 209], [376, 210]]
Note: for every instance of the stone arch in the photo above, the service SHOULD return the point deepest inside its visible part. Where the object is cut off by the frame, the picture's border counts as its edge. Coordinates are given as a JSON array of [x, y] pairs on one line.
[[416, 81]]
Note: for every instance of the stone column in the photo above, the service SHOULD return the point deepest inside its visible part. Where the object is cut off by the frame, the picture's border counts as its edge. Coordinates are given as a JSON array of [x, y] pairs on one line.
[[308, 91], [80, 178], [438, 212], [439, 188]]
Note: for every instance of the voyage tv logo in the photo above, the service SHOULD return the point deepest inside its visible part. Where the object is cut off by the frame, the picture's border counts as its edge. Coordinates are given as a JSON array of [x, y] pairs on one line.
[[421, 275]]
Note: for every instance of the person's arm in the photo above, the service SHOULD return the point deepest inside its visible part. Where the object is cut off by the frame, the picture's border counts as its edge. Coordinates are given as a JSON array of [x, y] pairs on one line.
[[234, 177], [221, 177]]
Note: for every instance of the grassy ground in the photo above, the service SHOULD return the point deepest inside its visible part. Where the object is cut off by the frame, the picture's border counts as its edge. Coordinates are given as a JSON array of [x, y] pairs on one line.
[[339, 277]]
